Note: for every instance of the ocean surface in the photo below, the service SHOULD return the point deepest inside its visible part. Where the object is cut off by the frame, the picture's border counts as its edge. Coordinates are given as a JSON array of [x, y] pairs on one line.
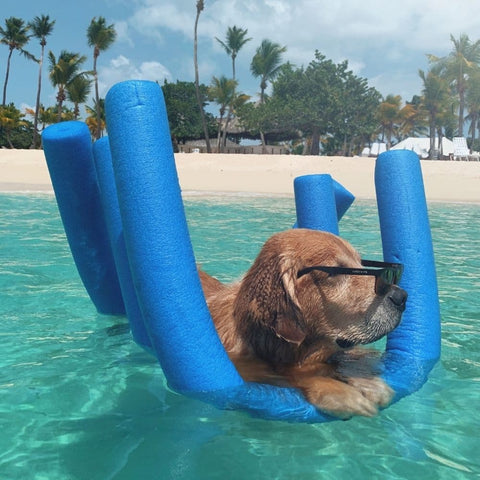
[[80, 400]]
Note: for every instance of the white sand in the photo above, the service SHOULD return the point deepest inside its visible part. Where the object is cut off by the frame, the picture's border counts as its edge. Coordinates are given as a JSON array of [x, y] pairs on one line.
[[447, 181]]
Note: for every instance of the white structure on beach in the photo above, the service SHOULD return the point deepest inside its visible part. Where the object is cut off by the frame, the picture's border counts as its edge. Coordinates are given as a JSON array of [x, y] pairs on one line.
[[421, 146], [376, 149]]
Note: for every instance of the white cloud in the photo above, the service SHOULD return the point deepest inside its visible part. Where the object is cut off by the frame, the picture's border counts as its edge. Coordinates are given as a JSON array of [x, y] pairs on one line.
[[122, 68], [151, 18], [385, 41], [123, 34]]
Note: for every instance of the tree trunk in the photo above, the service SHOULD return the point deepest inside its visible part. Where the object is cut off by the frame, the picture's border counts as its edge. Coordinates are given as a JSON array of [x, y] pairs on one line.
[[461, 106], [98, 130], [224, 133], [6, 78], [219, 134], [306, 147], [440, 146], [9, 140], [315, 148], [37, 103], [60, 99], [264, 143], [197, 84], [432, 138], [473, 127]]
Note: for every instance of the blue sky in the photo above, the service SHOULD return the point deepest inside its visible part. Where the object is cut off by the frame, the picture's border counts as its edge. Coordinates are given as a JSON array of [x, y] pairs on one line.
[[385, 42]]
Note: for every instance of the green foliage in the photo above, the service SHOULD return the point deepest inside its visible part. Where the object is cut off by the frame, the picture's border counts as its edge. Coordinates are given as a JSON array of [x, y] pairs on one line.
[[320, 106], [15, 36], [63, 71], [184, 117], [41, 28], [15, 132], [77, 92], [320, 101], [234, 41], [100, 36], [456, 67], [266, 63], [222, 92]]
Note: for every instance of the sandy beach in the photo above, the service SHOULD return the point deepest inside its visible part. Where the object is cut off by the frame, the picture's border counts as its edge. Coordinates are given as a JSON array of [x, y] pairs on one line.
[[445, 181]]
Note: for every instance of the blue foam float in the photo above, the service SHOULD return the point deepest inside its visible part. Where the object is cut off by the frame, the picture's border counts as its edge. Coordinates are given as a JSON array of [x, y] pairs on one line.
[[68, 151], [111, 209], [413, 347], [316, 197], [148, 231]]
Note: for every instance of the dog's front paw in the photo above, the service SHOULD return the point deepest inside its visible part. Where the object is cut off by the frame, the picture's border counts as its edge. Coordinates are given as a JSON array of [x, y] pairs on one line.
[[342, 401], [374, 389]]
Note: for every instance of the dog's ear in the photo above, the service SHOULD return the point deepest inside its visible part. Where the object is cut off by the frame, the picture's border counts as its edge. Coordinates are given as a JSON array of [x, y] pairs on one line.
[[268, 297], [289, 323]]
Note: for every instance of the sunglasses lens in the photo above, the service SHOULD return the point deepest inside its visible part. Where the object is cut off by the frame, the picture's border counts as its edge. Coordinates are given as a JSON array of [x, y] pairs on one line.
[[381, 287], [388, 277]]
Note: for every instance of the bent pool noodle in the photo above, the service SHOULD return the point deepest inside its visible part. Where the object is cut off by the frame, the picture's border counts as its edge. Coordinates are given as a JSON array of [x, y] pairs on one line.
[[413, 347], [157, 242], [163, 265], [320, 202], [108, 194], [68, 150]]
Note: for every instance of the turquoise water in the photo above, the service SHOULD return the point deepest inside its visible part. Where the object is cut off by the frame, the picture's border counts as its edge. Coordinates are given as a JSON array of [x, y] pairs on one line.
[[79, 400]]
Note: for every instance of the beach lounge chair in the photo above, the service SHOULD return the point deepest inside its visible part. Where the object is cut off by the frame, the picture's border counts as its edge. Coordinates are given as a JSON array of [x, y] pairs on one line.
[[460, 148]]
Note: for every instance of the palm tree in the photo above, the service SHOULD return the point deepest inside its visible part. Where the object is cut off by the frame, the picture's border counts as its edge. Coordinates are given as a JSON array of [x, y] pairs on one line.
[[411, 119], [389, 116], [15, 36], [62, 72], [239, 99], [41, 27], [266, 64], [456, 67], [234, 41], [472, 100], [200, 7], [92, 118], [46, 116], [78, 91], [10, 119], [100, 37], [222, 91], [435, 97]]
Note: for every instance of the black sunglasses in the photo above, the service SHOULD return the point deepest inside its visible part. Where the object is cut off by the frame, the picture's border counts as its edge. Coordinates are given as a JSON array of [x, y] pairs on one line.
[[386, 274]]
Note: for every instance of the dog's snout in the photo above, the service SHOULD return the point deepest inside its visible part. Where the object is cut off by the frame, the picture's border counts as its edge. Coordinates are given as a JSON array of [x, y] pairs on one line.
[[398, 297]]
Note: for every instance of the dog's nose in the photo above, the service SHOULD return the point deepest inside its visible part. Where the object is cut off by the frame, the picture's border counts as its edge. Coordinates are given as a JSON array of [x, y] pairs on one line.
[[398, 297]]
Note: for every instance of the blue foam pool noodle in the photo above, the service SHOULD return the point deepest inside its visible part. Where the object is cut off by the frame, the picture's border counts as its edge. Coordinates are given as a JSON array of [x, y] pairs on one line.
[[111, 208], [158, 243], [413, 348], [68, 151], [320, 202]]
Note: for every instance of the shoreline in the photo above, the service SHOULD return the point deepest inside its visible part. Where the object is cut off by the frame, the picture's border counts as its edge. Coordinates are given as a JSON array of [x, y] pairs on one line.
[[25, 171]]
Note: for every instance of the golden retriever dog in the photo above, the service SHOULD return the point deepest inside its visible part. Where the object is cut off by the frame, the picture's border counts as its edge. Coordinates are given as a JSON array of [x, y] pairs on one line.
[[293, 319]]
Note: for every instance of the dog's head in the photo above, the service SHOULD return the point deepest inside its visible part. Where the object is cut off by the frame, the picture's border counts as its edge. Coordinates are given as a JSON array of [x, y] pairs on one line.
[[283, 309]]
